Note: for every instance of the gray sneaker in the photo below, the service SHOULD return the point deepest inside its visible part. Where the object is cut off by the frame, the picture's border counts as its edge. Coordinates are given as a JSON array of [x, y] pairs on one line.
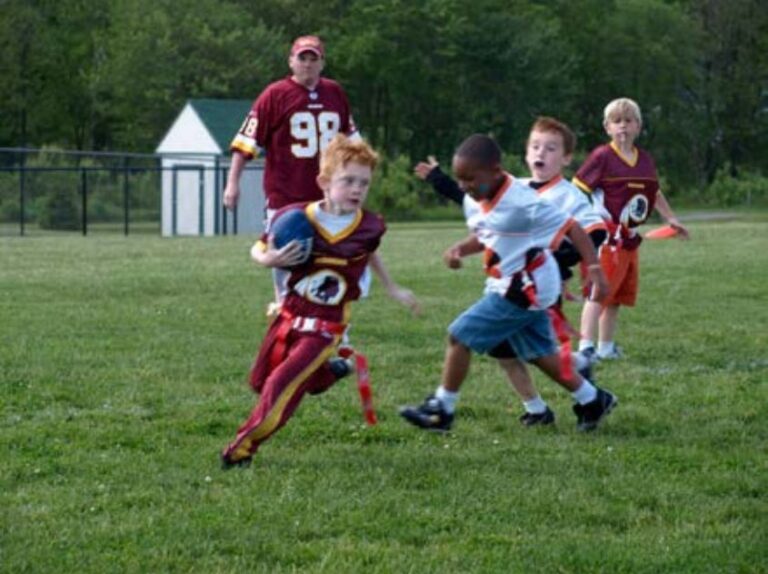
[[616, 353]]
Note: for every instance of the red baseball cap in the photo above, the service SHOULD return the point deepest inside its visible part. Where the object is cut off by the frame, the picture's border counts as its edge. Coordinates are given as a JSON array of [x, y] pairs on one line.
[[308, 44]]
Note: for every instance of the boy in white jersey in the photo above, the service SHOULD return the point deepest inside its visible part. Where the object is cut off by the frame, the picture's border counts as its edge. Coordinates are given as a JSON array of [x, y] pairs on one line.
[[515, 229], [549, 150]]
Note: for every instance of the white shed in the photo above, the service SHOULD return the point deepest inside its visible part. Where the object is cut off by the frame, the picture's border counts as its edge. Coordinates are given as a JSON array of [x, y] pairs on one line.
[[195, 161]]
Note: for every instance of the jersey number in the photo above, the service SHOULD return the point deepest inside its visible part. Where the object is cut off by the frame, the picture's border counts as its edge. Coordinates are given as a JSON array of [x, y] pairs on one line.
[[313, 134]]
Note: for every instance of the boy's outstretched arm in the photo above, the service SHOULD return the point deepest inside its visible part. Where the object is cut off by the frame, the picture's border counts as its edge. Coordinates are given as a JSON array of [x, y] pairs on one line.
[[586, 249], [443, 183], [398, 293], [665, 210], [467, 246]]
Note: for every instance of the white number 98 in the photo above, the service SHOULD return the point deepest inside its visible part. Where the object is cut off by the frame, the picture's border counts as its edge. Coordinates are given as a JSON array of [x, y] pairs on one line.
[[313, 134]]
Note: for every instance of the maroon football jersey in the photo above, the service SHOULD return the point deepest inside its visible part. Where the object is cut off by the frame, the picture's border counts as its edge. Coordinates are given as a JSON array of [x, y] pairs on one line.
[[324, 285], [625, 185], [292, 124]]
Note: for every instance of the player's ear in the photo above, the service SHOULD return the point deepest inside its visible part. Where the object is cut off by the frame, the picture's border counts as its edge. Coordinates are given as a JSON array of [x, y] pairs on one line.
[[567, 159], [323, 182]]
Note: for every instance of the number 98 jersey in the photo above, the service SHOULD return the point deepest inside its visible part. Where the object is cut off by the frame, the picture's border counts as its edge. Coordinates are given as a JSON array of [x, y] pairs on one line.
[[292, 125]]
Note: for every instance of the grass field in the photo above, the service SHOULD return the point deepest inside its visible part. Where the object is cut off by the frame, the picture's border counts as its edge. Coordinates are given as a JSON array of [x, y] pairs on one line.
[[123, 375]]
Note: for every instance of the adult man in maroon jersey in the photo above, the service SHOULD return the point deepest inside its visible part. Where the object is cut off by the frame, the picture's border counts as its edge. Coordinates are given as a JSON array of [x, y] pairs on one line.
[[291, 121]]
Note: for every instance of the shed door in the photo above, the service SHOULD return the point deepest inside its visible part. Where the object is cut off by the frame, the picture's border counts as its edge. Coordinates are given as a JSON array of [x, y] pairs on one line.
[[187, 200]]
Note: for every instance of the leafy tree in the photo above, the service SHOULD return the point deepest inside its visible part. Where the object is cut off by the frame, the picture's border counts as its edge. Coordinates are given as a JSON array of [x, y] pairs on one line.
[[160, 54], [732, 93], [420, 75]]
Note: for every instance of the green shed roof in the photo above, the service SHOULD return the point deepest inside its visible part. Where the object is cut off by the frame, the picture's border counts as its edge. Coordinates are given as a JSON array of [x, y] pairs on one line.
[[222, 118]]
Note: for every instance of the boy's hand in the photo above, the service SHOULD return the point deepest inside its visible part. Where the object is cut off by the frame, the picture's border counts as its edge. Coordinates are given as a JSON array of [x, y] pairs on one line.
[[405, 297], [452, 257], [288, 256], [675, 224], [424, 168], [231, 196]]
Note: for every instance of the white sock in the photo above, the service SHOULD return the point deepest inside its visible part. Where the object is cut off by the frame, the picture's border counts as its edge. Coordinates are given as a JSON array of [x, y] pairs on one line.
[[586, 393], [535, 406], [605, 348], [447, 398], [586, 344]]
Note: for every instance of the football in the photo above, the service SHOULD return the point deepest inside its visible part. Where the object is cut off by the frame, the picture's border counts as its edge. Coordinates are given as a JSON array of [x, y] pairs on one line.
[[293, 225]]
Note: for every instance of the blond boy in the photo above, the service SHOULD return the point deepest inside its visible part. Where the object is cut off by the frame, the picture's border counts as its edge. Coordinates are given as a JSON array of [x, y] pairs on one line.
[[623, 178]]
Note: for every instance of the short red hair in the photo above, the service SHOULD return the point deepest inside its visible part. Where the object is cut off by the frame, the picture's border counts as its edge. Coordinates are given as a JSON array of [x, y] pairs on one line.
[[342, 151], [551, 125]]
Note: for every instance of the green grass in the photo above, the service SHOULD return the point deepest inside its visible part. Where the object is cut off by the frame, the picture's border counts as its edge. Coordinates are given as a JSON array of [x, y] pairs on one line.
[[123, 374]]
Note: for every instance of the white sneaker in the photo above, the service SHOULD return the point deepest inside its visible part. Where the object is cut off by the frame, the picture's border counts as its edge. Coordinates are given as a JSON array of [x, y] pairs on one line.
[[587, 357], [612, 355]]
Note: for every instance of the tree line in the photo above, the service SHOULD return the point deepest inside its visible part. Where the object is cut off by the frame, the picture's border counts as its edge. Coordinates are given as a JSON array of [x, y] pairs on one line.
[[421, 74]]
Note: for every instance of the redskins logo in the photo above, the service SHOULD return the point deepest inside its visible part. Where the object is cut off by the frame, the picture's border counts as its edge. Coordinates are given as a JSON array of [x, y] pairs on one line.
[[325, 287], [637, 209]]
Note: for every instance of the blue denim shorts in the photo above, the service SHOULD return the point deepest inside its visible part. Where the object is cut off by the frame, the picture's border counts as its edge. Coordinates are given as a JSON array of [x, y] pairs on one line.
[[494, 319]]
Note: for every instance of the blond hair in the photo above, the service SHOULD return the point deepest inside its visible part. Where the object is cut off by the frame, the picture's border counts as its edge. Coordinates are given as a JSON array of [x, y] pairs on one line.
[[622, 107], [341, 151]]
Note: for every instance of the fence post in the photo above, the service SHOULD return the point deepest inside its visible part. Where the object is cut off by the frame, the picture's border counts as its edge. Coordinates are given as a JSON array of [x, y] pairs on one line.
[[84, 192], [216, 194], [126, 196], [201, 201], [22, 193], [174, 191], [222, 207]]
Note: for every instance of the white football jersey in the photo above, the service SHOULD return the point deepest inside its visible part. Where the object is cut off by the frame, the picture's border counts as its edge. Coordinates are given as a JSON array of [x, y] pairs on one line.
[[513, 222], [572, 201]]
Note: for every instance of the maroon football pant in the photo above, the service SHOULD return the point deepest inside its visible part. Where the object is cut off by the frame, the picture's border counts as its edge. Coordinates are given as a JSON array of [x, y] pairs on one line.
[[303, 369]]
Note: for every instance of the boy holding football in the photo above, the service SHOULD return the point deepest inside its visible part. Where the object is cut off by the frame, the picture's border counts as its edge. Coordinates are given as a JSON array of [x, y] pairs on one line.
[[295, 357], [621, 177], [515, 229]]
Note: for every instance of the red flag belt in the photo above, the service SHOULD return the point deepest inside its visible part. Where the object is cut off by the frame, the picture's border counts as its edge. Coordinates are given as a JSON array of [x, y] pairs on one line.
[[289, 322], [363, 383]]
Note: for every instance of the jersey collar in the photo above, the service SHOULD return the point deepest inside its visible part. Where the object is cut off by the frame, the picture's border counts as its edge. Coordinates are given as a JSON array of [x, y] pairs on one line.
[[631, 162], [550, 184], [311, 211], [300, 85], [488, 204]]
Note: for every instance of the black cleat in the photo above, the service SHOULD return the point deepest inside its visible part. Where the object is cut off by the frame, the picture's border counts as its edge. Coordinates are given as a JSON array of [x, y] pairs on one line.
[[589, 416], [531, 419], [341, 367], [430, 415], [227, 462]]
